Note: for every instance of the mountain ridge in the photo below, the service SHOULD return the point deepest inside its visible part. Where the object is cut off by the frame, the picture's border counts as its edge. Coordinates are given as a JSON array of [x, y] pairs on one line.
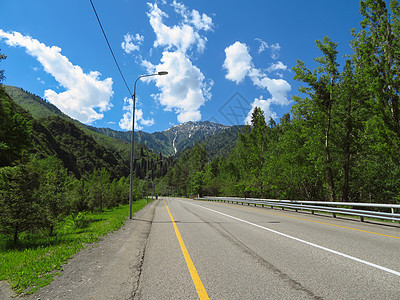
[[169, 142]]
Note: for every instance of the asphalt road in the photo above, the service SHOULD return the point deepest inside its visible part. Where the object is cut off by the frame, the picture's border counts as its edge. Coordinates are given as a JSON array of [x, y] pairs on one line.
[[229, 251]]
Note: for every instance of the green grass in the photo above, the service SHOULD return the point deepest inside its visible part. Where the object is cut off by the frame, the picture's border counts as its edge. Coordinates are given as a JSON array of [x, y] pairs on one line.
[[38, 258]]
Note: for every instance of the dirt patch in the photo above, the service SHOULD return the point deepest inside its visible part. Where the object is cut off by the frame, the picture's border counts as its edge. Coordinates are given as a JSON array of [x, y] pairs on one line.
[[5, 291]]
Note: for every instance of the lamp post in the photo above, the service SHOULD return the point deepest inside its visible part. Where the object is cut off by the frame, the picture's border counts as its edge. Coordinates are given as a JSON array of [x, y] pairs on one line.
[[133, 134]]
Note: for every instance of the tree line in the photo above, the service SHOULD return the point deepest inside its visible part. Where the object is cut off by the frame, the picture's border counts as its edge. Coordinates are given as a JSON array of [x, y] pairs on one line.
[[38, 195], [341, 140], [50, 170]]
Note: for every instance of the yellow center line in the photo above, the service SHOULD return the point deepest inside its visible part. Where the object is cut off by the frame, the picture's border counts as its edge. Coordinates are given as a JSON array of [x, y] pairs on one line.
[[319, 222], [201, 291]]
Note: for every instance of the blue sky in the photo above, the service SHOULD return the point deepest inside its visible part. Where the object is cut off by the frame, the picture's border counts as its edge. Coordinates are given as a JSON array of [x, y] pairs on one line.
[[222, 58]]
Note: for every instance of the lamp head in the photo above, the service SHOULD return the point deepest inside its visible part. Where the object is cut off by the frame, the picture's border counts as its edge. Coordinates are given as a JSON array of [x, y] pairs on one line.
[[162, 73]]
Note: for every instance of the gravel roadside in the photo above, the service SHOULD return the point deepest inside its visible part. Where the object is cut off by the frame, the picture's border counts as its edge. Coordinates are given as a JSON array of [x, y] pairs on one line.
[[108, 269]]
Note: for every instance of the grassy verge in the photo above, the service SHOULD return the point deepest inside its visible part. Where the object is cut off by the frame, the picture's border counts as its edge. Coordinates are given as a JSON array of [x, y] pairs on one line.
[[38, 258]]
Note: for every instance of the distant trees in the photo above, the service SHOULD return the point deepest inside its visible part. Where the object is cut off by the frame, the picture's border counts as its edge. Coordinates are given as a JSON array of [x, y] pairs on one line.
[[188, 174], [40, 194]]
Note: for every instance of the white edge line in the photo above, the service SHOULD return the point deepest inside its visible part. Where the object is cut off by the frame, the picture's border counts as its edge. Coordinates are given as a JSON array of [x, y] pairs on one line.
[[305, 242]]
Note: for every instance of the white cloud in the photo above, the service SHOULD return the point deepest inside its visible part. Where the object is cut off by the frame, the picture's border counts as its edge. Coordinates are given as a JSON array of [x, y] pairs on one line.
[[181, 37], [184, 89], [128, 45], [200, 22], [238, 62], [265, 105], [278, 88], [84, 92], [279, 66], [263, 45], [126, 121], [275, 48]]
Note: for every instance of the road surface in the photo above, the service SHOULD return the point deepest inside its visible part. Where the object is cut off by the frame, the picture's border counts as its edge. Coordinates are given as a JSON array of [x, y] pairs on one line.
[[243, 252], [189, 249]]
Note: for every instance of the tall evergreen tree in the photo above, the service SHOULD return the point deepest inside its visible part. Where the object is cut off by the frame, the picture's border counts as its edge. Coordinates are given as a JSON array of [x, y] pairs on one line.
[[55, 184], [20, 210]]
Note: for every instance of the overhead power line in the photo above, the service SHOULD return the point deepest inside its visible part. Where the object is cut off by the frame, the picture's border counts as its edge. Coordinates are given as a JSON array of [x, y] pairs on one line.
[[109, 47]]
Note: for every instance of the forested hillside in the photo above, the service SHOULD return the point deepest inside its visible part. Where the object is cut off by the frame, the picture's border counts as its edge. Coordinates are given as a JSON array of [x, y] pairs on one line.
[[40, 109], [341, 140], [50, 169]]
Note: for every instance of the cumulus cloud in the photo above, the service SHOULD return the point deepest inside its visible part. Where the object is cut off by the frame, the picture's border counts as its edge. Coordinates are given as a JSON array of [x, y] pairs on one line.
[[238, 62], [132, 42], [84, 93], [279, 66], [265, 105], [126, 121], [185, 89], [179, 37], [200, 22]]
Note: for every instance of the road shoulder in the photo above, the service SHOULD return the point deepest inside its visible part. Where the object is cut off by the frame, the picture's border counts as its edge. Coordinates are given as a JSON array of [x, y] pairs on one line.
[[108, 269]]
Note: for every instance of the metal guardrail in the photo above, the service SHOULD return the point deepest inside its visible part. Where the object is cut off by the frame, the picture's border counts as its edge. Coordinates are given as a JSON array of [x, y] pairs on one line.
[[320, 206]]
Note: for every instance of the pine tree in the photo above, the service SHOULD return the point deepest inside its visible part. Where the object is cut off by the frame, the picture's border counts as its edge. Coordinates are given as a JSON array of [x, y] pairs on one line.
[[20, 210]]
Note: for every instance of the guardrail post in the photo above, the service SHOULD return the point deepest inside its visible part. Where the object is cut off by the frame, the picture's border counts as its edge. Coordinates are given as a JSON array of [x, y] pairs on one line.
[[361, 218], [312, 212], [334, 215]]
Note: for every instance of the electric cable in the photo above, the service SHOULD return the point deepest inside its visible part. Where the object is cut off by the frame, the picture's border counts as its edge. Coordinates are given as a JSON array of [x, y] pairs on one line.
[[109, 47]]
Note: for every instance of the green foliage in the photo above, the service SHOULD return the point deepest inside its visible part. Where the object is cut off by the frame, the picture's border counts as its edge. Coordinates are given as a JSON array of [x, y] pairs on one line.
[[36, 106], [33, 264], [342, 140], [377, 61], [15, 130], [52, 193], [20, 209]]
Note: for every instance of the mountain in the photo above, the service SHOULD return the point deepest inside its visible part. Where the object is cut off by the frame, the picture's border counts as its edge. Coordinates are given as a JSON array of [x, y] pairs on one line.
[[40, 109], [173, 141], [221, 143], [36, 106], [53, 136], [185, 135]]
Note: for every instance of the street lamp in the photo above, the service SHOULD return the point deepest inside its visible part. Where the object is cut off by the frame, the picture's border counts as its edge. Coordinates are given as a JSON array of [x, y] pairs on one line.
[[133, 133]]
